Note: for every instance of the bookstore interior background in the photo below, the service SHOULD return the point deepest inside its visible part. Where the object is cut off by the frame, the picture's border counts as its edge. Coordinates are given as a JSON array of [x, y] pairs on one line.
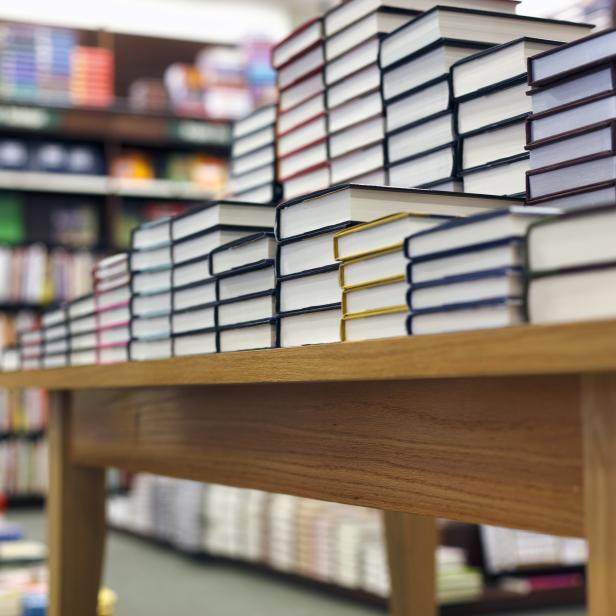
[[117, 114]]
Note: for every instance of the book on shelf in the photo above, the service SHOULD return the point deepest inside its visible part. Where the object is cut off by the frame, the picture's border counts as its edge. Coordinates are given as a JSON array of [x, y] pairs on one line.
[[310, 326], [249, 336], [374, 297], [364, 54], [387, 323], [300, 114], [385, 264], [358, 136], [195, 343], [296, 43], [257, 307], [261, 118], [253, 160], [150, 349], [194, 294], [318, 178], [151, 234], [313, 289], [253, 141], [309, 61], [300, 161], [246, 283], [500, 177], [268, 193], [302, 136], [305, 89], [199, 319], [357, 163], [435, 165], [355, 111], [248, 252], [151, 304], [150, 328]]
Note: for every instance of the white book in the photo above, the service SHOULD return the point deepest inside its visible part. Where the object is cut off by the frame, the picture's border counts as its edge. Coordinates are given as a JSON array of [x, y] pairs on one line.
[[418, 104], [54, 317], [258, 119], [352, 61], [57, 331], [252, 179], [193, 320], [262, 336], [113, 355], [110, 267], [306, 183], [489, 227], [420, 137], [246, 310], [155, 304], [506, 178], [378, 177], [424, 68], [301, 114], [56, 346], [144, 350], [245, 252], [585, 295], [492, 285], [115, 316], [496, 106], [424, 168], [472, 25], [569, 176], [551, 64], [306, 36], [371, 327], [221, 213], [357, 163], [83, 341], [452, 184], [315, 327], [300, 67], [363, 81], [266, 194], [496, 64], [114, 336], [497, 143], [579, 240], [306, 254], [303, 160], [381, 21], [55, 361], [83, 358], [586, 197], [364, 203], [355, 111], [195, 295], [309, 291], [376, 297], [253, 141], [365, 270], [467, 319], [301, 91], [81, 307], [197, 271], [253, 160], [151, 234], [151, 282], [348, 12], [357, 136], [150, 327], [204, 243], [157, 258], [11, 360], [300, 137], [573, 89], [247, 283], [195, 344], [82, 325]]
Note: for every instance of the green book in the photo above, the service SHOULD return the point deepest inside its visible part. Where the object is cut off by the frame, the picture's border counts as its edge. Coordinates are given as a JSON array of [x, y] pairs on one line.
[[12, 226]]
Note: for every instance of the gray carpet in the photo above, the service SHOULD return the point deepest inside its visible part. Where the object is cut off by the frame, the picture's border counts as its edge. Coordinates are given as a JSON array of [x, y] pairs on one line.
[[154, 581]]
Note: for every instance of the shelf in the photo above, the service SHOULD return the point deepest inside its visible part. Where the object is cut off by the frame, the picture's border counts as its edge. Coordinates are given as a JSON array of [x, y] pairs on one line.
[[524, 350]]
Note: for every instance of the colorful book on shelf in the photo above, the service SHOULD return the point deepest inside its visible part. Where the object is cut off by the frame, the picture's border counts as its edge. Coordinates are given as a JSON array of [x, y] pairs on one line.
[[375, 297]]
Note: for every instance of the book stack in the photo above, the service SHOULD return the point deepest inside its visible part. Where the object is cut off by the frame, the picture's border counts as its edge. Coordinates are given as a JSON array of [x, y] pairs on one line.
[[246, 293], [355, 108], [570, 134], [571, 267], [468, 274], [253, 158], [111, 282], [422, 149], [31, 347], [81, 314], [92, 76], [55, 338], [492, 106], [301, 130]]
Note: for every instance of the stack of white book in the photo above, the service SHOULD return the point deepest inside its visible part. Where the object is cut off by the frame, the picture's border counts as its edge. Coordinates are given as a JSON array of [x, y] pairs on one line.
[[30, 344], [55, 338], [81, 313]]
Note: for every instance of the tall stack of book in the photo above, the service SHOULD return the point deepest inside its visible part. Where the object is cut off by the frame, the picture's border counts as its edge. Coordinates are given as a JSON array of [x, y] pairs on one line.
[[490, 94], [355, 108], [468, 274], [55, 338], [81, 314], [570, 134], [422, 151], [253, 157], [111, 285], [301, 131]]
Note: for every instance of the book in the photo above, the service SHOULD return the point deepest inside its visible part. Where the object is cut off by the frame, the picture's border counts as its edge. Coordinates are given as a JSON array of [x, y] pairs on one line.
[[357, 162], [152, 304], [503, 177], [299, 41], [253, 141], [374, 297], [246, 283], [53, 317], [151, 282], [237, 312], [249, 336], [493, 314], [386, 264], [253, 160], [302, 160], [431, 166], [114, 316], [144, 350], [475, 25], [113, 355], [57, 360], [381, 234], [571, 58], [496, 65], [363, 81], [303, 90], [116, 335], [357, 58], [151, 234], [426, 134], [301, 114], [304, 327], [82, 342], [56, 331], [152, 259], [257, 120], [487, 227], [302, 136], [60, 345], [354, 111], [355, 203], [249, 180], [576, 239], [150, 327], [268, 194], [309, 61], [193, 319], [313, 290], [385, 324], [85, 357], [82, 325], [195, 343], [494, 143], [197, 294], [556, 179], [247, 252], [365, 133], [586, 197], [81, 307], [190, 272], [115, 298], [303, 183]]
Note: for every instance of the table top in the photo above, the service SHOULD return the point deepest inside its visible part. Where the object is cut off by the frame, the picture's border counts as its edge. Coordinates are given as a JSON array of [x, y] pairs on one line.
[[575, 348]]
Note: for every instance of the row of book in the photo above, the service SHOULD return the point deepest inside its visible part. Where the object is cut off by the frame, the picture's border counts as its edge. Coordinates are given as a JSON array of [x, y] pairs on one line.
[[23, 467], [335, 544]]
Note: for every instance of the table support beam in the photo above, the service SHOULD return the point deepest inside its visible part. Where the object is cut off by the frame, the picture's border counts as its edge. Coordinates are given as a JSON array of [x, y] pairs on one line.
[[76, 520]]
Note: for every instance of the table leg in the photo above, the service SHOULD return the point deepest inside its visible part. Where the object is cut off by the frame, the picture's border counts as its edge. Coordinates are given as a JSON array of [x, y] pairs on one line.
[[599, 434], [412, 541], [76, 521]]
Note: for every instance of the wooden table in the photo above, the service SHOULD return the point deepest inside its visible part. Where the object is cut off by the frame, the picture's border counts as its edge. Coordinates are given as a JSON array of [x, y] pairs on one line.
[[513, 427]]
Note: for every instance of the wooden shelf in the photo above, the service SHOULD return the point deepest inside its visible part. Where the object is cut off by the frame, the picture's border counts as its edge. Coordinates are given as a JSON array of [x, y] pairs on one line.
[[525, 350]]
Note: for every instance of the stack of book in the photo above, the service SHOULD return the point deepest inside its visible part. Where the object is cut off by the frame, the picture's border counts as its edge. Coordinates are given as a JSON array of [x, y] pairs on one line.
[[111, 282], [571, 135], [55, 338], [92, 71], [354, 103], [30, 345], [253, 158], [422, 150], [490, 94], [81, 314], [246, 293], [301, 132], [468, 274], [572, 267]]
